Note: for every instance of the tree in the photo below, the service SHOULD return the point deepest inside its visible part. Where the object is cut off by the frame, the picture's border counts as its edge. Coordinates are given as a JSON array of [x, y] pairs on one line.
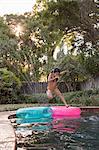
[[44, 29], [74, 71], [67, 17], [8, 43], [23, 59]]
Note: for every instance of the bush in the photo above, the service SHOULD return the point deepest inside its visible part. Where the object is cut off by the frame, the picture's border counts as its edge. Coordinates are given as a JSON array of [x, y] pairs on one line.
[[83, 98], [9, 87], [78, 98], [34, 98]]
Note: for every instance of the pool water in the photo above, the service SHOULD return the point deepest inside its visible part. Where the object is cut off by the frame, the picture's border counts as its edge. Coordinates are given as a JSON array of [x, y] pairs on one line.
[[62, 134]]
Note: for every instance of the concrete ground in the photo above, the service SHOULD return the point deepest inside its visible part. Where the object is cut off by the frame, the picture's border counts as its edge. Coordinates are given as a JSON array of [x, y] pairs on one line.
[[7, 135]]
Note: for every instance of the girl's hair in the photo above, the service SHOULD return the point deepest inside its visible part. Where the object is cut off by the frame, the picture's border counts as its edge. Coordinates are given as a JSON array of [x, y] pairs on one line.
[[56, 70]]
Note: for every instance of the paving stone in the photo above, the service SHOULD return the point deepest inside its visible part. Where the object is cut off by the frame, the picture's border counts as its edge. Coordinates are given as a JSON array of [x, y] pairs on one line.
[[7, 134]]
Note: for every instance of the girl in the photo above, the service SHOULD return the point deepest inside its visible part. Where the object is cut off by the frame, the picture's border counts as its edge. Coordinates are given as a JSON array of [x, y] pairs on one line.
[[52, 85]]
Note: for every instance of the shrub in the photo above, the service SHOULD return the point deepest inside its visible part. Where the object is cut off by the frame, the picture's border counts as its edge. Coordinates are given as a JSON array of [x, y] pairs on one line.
[[34, 98], [9, 87], [83, 98]]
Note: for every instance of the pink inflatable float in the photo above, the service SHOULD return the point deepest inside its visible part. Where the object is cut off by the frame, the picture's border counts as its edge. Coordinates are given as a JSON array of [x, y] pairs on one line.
[[63, 111]]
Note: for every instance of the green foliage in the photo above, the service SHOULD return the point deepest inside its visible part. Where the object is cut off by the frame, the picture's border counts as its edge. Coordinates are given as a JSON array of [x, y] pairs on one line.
[[83, 98], [34, 98], [8, 43], [65, 17], [74, 71], [92, 69], [79, 98], [9, 87], [43, 30]]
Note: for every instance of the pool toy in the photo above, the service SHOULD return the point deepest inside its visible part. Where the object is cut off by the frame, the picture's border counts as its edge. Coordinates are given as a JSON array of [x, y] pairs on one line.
[[34, 112], [63, 111], [47, 112], [33, 120]]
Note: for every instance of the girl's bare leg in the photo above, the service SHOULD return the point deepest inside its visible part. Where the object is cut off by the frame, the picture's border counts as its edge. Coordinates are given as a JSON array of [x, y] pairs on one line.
[[59, 94]]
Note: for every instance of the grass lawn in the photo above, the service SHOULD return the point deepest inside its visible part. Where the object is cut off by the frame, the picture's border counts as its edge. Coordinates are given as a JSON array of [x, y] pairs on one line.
[[11, 107]]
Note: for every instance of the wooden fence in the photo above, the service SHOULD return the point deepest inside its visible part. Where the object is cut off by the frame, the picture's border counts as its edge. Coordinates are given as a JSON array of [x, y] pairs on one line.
[[90, 84], [40, 87]]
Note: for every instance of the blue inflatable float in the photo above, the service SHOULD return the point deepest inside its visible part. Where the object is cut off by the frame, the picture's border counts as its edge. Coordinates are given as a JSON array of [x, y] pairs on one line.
[[34, 113]]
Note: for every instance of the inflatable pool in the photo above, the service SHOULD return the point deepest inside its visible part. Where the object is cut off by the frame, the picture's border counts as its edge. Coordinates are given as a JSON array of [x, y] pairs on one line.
[[47, 112]]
